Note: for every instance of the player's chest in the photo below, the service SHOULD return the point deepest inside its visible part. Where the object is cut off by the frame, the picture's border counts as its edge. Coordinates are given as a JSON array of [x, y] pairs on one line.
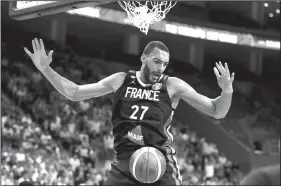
[[146, 101], [138, 93]]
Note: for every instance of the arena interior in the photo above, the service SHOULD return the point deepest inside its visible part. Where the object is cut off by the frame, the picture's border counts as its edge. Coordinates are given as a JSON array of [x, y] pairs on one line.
[[47, 139]]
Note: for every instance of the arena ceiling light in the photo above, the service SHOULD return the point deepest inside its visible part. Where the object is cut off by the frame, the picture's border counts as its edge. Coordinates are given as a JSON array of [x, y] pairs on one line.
[[87, 11], [265, 4], [172, 28], [191, 32], [277, 11], [271, 15], [211, 35], [228, 38], [272, 44]]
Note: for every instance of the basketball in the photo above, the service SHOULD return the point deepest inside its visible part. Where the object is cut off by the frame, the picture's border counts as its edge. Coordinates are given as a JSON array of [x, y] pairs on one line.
[[147, 165]]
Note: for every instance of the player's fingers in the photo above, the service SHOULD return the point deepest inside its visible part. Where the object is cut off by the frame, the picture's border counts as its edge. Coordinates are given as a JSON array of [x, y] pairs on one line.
[[37, 44], [27, 52], [216, 72], [34, 46], [232, 76], [50, 55], [42, 46], [222, 67], [218, 67], [226, 68]]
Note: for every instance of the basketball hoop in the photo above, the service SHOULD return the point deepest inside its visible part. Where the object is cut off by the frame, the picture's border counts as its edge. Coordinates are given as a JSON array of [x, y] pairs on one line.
[[147, 13]]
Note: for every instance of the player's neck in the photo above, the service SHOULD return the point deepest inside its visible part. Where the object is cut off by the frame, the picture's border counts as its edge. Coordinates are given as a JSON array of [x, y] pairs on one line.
[[141, 77]]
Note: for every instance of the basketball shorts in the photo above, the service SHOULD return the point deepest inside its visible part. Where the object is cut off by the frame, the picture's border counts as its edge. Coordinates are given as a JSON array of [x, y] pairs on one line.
[[121, 175]]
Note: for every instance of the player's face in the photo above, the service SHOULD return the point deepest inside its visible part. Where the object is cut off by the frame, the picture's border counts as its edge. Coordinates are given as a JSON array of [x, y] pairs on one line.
[[154, 65]]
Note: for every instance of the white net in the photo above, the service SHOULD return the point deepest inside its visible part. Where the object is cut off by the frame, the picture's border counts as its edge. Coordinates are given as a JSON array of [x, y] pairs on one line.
[[145, 14]]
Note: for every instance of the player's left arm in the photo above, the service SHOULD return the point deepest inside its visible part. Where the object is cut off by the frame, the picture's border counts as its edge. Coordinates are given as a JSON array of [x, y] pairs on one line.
[[217, 107]]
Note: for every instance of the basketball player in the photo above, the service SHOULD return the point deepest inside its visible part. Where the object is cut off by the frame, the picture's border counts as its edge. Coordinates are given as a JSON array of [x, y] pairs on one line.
[[269, 175], [144, 104]]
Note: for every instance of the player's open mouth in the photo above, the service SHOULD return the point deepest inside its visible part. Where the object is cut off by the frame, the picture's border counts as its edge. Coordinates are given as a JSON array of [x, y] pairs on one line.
[[156, 75]]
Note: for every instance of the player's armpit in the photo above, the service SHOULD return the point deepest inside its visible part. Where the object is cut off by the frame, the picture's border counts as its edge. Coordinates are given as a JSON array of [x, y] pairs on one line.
[[105, 86], [184, 91]]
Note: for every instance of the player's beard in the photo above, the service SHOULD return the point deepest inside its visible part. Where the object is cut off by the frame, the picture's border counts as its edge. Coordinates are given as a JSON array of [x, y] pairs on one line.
[[148, 75]]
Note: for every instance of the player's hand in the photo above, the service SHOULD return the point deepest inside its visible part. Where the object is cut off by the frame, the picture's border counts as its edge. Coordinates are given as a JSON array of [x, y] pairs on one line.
[[223, 76], [40, 59]]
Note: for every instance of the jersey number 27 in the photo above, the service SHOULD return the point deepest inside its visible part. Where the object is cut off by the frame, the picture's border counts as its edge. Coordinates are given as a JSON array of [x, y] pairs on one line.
[[136, 110]]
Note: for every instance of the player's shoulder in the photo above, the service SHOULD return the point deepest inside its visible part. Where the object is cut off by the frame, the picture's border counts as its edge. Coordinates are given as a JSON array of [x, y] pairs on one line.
[[119, 76], [115, 80], [171, 80], [175, 86], [175, 82], [129, 73]]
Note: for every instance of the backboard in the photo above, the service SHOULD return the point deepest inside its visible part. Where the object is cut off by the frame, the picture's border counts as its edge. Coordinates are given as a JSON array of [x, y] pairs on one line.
[[22, 10]]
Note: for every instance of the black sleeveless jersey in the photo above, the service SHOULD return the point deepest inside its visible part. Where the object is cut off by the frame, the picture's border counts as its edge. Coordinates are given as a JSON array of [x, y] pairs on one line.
[[141, 116]]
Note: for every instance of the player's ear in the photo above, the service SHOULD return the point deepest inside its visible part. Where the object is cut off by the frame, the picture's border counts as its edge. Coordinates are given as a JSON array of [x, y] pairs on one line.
[[143, 57]]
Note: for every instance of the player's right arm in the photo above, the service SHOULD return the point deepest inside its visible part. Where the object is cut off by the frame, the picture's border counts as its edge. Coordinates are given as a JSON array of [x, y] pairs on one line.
[[67, 88]]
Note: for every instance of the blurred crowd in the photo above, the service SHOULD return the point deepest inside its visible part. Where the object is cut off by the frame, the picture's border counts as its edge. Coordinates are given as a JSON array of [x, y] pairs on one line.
[[200, 162], [48, 139], [63, 142]]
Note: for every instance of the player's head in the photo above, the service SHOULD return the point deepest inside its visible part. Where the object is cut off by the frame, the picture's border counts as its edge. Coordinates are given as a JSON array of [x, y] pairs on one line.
[[155, 59]]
